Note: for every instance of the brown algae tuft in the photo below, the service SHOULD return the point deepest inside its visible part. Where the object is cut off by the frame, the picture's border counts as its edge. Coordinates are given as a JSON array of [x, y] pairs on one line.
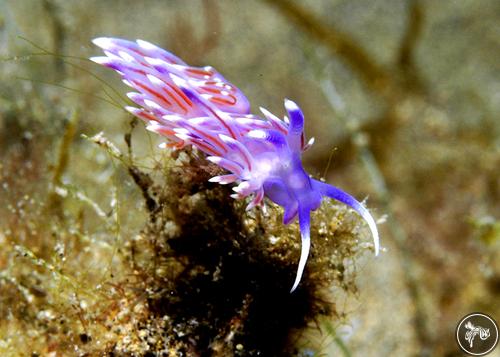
[[213, 279]]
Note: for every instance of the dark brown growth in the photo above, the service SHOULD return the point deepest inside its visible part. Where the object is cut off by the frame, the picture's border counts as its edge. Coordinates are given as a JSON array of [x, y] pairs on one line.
[[211, 281]]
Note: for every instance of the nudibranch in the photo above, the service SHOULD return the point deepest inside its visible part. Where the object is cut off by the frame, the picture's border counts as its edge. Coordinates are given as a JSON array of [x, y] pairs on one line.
[[197, 106]]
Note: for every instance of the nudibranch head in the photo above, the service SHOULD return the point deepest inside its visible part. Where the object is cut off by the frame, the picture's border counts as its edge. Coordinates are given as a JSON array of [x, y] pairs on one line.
[[197, 106]]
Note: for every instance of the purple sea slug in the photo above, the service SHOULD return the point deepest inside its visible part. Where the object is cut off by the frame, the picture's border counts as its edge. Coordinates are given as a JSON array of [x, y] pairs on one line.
[[197, 106]]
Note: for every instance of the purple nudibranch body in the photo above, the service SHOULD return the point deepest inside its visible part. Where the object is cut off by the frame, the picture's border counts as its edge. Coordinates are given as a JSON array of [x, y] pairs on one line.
[[197, 106]]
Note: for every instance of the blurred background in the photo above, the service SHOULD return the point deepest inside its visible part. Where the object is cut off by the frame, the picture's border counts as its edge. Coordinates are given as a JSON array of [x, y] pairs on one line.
[[402, 96]]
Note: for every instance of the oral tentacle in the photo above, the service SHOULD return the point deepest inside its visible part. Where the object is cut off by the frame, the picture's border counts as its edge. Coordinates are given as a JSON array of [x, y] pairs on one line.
[[341, 196], [305, 232]]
